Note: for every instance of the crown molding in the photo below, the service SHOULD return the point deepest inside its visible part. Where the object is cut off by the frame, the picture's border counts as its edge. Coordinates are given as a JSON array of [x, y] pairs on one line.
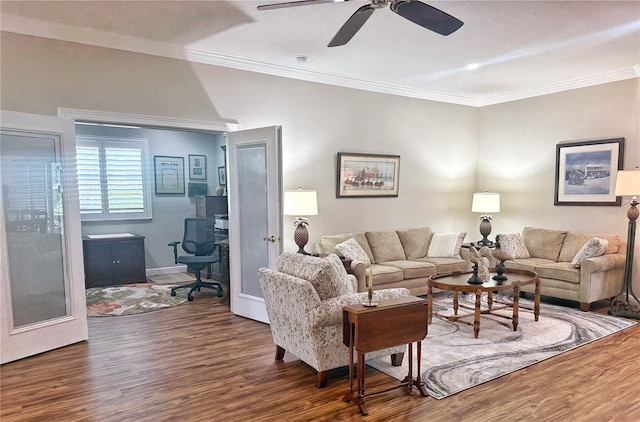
[[146, 120], [46, 29]]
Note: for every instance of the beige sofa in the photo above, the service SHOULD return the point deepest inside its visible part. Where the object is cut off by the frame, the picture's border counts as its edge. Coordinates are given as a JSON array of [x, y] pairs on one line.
[[398, 258], [551, 254]]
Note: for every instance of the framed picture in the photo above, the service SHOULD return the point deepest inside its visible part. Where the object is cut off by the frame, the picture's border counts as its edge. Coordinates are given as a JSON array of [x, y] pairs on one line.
[[197, 167], [222, 176], [586, 172], [366, 175], [169, 174]]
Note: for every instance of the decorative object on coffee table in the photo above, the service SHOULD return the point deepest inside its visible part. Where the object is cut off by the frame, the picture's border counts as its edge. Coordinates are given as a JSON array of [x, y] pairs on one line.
[[485, 203], [500, 255], [300, 203], [626, 303], [480, 270]]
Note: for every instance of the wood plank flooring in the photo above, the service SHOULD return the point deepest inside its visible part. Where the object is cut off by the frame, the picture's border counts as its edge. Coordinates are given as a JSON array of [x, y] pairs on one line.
[[198, 362]]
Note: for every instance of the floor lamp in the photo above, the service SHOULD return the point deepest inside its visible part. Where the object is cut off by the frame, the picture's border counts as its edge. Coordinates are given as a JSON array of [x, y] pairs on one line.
[[300, 203], [485, 203], [626, 303]]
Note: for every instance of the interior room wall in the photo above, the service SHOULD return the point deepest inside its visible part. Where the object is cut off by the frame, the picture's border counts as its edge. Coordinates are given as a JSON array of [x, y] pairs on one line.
[[169, 211], [517, 156]]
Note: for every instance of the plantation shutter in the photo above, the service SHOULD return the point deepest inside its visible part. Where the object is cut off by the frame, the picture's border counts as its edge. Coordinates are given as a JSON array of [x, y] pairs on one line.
[[112, 180]]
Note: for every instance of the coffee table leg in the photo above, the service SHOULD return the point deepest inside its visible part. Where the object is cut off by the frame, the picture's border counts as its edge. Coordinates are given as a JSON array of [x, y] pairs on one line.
[[476, 317], [516, 305], [430, 304], [455, 302]]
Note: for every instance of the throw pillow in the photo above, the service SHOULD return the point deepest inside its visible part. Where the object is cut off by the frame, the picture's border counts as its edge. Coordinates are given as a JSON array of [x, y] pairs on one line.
[[593, 247], [512, 246], [351, 249], [415, 241], [445, 245], [343, 284]]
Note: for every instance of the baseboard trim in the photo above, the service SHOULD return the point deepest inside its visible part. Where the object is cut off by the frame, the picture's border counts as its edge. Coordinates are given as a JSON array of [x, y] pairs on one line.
[[166, 270]]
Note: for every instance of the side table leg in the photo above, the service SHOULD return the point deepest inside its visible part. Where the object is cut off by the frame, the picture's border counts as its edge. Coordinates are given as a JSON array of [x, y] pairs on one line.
[[360, 396], [408, 380], [476, 317], [418, 381]]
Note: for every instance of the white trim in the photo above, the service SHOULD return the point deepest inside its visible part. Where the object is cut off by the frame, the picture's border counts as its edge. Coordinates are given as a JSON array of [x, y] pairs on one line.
[[167, 270], [146, 120], [46, 29]]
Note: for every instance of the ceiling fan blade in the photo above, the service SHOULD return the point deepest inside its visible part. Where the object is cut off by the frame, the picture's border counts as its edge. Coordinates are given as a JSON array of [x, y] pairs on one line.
[[427, 16], [351, 26], [295, 3]]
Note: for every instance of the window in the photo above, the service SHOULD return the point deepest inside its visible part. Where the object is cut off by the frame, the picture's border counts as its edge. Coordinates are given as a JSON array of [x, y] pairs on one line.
[[113, 178]]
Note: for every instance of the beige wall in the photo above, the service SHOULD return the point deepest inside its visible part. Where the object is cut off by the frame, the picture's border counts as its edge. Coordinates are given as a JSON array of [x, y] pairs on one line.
[[441, 164]]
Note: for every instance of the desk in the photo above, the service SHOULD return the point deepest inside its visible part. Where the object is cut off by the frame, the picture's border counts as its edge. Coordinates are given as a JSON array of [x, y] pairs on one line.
[[392, 323]]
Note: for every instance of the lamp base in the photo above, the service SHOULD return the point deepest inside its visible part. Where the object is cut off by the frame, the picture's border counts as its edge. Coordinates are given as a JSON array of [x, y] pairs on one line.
[[485, 230], [301, 237]]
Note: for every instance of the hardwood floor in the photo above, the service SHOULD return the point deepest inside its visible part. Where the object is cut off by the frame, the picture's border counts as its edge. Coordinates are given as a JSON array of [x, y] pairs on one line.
[[198, 362]]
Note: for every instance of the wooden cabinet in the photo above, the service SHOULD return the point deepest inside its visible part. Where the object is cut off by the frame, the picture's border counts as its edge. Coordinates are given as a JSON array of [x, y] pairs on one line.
[[113, 259]]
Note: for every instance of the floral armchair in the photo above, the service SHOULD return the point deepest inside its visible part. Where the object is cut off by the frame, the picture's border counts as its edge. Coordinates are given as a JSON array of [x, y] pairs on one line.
[[304, 300]]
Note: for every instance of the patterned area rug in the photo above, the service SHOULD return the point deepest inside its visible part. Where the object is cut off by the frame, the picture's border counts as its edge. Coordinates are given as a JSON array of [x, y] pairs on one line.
[[455, 361], [131, 299]]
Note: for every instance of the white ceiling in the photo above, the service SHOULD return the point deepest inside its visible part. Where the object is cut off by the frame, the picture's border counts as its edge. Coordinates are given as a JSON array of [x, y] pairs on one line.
[[524, 48]]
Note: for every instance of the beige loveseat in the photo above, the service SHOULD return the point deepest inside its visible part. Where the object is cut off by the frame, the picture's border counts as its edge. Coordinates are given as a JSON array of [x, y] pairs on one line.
[[399, 258], [551, 253], [304, 298]]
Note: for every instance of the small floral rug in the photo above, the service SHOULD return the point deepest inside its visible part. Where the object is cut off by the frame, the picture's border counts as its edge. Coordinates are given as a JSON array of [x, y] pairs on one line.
[[131, 299]]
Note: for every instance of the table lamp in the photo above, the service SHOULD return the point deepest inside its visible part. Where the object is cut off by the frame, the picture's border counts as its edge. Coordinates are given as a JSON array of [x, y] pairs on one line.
[[300, 203], [485, 203], [626, 303]]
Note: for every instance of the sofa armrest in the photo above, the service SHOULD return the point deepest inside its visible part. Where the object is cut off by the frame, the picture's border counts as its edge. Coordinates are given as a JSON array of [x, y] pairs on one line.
[[329, 312], [360, 271], [602, 263]]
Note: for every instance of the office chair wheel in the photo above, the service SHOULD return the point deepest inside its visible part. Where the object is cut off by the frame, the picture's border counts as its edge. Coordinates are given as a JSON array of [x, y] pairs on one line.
[[173, 293], [190, 297]]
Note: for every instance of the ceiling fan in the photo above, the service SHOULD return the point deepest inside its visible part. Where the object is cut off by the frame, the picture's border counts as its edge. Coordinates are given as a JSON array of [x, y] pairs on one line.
[[417, 12]]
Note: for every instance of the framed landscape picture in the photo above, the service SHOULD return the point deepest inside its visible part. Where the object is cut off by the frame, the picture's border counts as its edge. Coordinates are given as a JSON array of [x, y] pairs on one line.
[[586, 172], [366, 175], [169, 174]]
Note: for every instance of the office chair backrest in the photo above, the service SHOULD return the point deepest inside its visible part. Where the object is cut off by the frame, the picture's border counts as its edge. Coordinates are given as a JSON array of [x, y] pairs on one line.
[[198, 236]]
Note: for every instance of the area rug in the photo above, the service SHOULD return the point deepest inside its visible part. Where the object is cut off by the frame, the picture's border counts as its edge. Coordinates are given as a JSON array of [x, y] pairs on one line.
[[453, 361], [131, 299], [171, 278]]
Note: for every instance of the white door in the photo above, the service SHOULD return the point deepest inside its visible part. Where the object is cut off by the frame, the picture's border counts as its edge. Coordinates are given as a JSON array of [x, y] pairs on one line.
[[255, 216], [42, 272]]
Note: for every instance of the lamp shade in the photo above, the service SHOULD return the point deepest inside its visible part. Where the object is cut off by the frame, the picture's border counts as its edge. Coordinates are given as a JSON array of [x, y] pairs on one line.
[[300, 202], [628, 182], [485, 202]]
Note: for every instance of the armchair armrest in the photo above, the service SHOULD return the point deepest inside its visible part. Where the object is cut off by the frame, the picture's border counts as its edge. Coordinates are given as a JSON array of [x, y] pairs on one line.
[[602, 263], [329, 312]]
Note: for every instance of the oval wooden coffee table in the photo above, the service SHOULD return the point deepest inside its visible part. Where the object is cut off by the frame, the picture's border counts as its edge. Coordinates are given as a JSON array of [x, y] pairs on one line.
[[457, 282]]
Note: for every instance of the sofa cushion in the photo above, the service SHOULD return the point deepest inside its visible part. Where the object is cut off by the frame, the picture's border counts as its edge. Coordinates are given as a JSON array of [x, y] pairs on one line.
[[528, 264], [413, 269], [385, 245], [383, 274], [543, 243], [592, 248], [447, 265], [445, 245], [559, 271], [571, 245], [351, 249], [415, 242], [511, 247], [328, 243], [321, 273], [613, 245]]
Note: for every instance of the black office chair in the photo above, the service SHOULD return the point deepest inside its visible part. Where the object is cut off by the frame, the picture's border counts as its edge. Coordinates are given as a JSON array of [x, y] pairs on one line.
[[198, 241]]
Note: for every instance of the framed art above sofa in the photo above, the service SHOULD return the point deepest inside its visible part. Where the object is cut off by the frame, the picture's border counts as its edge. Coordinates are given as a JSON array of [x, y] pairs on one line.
[[366, 175], [586, 172]]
